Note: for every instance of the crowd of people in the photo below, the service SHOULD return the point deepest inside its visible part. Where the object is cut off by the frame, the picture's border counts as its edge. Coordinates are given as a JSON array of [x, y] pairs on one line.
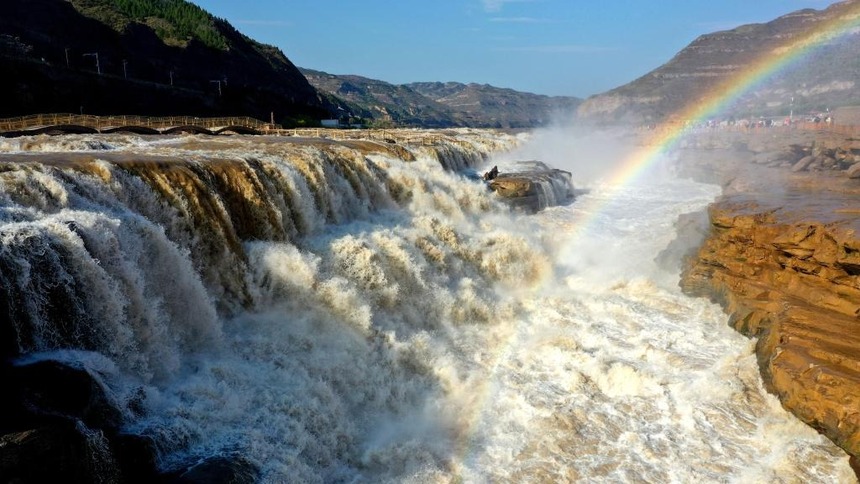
[[817, 119]]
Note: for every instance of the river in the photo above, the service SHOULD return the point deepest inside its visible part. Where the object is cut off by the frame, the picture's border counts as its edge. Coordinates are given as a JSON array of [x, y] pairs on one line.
[[331, 312]]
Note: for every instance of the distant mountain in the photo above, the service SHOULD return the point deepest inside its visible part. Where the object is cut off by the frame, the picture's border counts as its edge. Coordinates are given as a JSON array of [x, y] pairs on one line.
[[436, 104], [380, 101], [485, 105], [827, 79], [149, 57]]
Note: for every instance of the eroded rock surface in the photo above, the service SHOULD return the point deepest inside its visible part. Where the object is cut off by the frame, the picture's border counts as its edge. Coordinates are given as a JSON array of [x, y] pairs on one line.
[[783, 258], [534, 186]]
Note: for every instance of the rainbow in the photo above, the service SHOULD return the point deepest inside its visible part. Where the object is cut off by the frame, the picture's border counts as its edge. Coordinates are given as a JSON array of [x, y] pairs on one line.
[[845, 19]]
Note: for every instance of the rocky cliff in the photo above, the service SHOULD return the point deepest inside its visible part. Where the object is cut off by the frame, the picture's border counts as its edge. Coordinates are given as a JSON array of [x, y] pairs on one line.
[[782, 255], [142, 57], [825, 80], [382, 102]]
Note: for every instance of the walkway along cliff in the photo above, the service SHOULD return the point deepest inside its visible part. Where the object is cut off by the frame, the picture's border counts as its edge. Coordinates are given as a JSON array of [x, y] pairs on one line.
[[782, 255]]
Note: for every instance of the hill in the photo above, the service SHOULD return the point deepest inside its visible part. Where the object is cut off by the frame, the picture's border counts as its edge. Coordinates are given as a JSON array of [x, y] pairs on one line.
[[148, 57], [437, 104], [485, 105], [825, 80], [381, 102]]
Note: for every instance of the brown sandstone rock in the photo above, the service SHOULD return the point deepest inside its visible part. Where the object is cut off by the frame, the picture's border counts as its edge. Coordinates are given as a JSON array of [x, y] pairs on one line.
[[794, 286], [803, 164], [853, 171], [783, 258]]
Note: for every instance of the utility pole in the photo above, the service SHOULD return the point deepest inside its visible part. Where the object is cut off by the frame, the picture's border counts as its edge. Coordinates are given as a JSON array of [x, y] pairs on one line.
[[791, 111], [219, 86], [171, 78], [98, 66], [124, 70], [68, 65]]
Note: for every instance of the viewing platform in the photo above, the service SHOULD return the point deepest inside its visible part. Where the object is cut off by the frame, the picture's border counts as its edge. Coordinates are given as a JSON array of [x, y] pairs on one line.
[[79, 124], [57, 124]]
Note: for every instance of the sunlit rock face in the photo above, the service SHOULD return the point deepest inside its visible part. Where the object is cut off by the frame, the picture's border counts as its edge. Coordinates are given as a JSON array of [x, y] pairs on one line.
[[783, 258], [792, 280]]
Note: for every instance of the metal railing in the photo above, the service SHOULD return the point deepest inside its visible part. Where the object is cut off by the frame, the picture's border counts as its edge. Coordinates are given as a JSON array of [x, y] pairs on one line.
[[23, 124], [400, 136], [36, 121]]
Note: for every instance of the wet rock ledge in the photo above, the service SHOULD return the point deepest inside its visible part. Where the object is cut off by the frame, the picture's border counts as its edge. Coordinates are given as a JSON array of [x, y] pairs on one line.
[[533, 186], [782, 256]]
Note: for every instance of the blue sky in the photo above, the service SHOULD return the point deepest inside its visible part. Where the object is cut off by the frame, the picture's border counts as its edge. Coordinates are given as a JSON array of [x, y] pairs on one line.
[[555, 47]]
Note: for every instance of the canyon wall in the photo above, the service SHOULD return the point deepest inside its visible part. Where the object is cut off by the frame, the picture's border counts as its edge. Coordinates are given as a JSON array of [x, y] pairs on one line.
[[782, 255]]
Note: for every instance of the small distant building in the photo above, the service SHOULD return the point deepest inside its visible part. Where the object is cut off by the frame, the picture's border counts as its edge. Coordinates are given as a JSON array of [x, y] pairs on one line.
[[847, 115], [330, 123]]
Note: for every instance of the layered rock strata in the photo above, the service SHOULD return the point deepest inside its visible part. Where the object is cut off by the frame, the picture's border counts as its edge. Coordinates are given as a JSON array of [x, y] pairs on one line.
[[782, 255]]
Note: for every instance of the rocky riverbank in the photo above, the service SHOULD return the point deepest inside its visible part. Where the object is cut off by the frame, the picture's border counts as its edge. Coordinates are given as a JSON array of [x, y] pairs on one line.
[[781, 253]]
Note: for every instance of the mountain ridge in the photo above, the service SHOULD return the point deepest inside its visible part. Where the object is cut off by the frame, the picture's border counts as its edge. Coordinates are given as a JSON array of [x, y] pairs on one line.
[[826, 80], [441, 104]]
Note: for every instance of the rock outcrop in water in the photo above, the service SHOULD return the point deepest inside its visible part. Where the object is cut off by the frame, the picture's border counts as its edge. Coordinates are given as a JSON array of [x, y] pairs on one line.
[[59, 424], [783, 257], [534, 186]]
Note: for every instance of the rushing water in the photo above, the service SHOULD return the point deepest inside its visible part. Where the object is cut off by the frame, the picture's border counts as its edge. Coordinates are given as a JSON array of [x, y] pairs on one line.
[[336, 314]]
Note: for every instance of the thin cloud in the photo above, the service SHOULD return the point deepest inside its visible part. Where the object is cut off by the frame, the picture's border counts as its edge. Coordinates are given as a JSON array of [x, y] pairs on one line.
[[520, 20], [558, 49], [497, 5]]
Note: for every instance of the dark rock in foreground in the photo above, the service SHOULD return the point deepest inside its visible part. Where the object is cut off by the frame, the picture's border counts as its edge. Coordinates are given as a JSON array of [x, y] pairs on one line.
[[232, 469], [58, 424]]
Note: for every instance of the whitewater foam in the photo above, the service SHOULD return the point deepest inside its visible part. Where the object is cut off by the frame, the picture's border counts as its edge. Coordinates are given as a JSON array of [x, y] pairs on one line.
[[404, 325]]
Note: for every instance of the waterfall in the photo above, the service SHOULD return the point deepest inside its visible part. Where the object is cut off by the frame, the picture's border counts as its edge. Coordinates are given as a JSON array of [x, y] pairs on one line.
[[313, 310]]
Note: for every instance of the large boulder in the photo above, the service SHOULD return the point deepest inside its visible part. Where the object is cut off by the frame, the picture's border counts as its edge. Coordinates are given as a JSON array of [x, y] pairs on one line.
[[803, 164], [58, 424], [535, 187], [226, 469], [45, 391], [853, 171], [63, 452]]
